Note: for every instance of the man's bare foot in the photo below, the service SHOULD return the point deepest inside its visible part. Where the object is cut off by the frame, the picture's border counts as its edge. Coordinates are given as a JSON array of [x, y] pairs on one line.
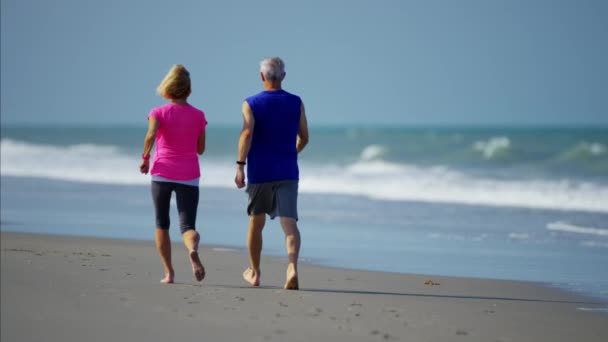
[[197, 268], [168, 279], [292, 279], [251, 277]]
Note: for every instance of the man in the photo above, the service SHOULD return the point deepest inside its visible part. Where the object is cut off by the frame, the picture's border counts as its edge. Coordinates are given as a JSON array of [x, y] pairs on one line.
[[274, 132]]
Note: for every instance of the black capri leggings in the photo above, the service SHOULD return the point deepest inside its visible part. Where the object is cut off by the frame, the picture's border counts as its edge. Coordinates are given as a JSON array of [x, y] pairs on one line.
[[187, 204]]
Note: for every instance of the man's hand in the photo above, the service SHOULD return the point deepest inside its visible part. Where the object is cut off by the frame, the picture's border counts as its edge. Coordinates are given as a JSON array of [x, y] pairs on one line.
[[239, 180], [144, 167]]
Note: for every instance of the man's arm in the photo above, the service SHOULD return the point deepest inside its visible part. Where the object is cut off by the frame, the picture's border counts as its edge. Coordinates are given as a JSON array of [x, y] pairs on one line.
[[244, 144], [148, 144], [302, 140]]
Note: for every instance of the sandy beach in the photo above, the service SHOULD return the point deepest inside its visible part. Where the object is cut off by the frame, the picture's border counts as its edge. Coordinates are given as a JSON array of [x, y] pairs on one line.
[[57, 288]]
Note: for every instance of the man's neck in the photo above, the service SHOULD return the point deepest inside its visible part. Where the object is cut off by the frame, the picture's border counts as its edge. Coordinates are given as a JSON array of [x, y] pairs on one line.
[[272, 85]]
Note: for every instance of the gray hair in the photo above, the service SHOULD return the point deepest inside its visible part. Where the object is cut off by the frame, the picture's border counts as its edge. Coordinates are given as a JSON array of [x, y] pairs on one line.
[[273, 69]]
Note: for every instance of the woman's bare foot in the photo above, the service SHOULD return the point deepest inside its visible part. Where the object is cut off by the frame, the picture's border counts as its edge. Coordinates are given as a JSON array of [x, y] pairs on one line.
[[292, 279], [197, 268], [168, 279], [251, 277]]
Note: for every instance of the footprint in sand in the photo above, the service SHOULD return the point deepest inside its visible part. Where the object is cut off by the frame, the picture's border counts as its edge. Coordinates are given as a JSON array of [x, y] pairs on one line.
[[385, 336], [315, 312], [396, 313]]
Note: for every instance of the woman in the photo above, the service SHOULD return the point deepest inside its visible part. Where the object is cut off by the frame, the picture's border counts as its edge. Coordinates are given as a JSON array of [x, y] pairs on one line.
[[179, 132]]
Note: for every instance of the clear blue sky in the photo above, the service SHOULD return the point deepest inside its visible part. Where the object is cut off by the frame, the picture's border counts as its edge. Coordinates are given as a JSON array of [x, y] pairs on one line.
[[488, 62]]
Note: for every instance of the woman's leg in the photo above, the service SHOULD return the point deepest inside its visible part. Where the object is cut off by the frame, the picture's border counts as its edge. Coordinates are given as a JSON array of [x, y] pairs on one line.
[[187, 206], [161, 195], [163, 244]]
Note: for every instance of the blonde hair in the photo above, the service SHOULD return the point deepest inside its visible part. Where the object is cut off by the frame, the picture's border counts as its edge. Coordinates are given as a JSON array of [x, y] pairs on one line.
[[176, 84]]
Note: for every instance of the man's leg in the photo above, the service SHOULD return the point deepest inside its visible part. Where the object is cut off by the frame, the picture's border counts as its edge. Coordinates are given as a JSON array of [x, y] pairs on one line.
[[163, 244], [292, 243], [254, 243]]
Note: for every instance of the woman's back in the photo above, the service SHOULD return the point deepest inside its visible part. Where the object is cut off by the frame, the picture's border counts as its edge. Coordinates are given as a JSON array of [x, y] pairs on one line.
[[179, 127]]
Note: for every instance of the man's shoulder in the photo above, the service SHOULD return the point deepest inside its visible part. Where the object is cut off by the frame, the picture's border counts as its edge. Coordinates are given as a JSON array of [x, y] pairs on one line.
[[253, 97], [292, 95], [265, 94]]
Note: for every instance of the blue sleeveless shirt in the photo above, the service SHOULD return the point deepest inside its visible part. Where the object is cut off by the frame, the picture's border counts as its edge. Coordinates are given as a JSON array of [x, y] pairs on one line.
[[273, 155]]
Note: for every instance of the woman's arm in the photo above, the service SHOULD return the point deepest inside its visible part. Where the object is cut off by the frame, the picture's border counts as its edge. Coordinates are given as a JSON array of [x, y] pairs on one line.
[[200, 148], [148, 145]]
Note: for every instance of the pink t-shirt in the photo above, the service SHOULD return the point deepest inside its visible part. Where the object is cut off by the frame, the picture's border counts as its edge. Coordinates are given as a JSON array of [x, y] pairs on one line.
[[179, 126]]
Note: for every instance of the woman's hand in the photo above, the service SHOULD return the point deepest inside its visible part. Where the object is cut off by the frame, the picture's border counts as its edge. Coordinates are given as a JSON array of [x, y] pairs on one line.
[[144, 167]]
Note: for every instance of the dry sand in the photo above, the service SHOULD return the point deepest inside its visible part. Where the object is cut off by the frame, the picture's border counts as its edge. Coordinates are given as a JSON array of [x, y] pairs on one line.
[[84, 289]]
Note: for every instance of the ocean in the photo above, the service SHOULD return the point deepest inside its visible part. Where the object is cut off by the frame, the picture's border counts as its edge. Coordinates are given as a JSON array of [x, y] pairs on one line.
[[520, 203]]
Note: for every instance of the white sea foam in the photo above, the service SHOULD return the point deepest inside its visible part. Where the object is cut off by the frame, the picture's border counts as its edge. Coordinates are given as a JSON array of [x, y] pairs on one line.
[[593, 309], [85, 163], [584, 150], [594, 244], [389, 181], [492, 146], [453, 237], [372, 152], [571, 228], [222, 249], [373, 178], [519, 236], [594, 148]]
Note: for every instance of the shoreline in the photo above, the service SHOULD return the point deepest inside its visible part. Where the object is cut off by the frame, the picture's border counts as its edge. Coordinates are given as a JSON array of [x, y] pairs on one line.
[[317, 262], [70, 288]]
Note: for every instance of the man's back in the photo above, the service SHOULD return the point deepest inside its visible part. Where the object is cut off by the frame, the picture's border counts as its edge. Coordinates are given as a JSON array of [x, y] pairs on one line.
[[273, 155]]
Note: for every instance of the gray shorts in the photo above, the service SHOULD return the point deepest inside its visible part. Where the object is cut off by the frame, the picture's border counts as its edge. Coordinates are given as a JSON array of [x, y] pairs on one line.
[[274, 198]]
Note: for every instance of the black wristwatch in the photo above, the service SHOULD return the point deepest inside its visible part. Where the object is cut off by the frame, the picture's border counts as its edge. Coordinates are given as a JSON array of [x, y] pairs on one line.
[[240, 162]]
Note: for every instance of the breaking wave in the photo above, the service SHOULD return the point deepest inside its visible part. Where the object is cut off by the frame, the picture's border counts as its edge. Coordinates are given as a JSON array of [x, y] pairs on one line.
[[370, 176]]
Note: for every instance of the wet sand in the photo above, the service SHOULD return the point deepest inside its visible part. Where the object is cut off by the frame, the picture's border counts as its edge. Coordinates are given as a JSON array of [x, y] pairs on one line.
[[56, 288]]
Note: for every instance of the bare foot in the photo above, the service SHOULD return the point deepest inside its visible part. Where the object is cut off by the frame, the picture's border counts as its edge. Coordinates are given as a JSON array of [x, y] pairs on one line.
[[292, 279], [168, 279], [197, 267], [251, 277]]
